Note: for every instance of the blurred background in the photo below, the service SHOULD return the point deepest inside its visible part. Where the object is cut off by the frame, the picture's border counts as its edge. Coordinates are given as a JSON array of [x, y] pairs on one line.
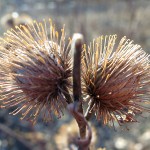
[[92, 18]]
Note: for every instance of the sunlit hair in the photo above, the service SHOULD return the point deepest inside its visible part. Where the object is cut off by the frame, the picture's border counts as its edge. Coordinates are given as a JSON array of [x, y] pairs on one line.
[[115, 79], [35, 71]]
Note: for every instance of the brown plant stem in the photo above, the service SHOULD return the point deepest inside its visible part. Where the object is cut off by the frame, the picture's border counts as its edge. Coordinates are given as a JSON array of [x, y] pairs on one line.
[[83, 144], [77, 43]]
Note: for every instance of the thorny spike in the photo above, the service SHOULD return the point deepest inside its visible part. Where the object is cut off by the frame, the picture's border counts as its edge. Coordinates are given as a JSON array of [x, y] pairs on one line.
[[116, 79], [35, 69]]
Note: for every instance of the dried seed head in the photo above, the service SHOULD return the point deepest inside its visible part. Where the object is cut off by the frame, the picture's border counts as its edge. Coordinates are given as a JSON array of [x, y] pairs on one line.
[[35, 71], [116, 79]]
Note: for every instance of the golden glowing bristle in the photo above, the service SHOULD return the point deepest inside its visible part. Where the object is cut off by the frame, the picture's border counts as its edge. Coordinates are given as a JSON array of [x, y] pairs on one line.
[[35, 71], [116, 78]]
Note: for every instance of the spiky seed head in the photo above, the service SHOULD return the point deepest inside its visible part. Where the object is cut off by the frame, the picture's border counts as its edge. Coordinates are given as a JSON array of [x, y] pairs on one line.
[[116, 79], [35, 71]]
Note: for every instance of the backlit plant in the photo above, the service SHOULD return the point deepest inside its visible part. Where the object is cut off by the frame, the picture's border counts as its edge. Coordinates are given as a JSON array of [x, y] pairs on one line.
[[39, 75]]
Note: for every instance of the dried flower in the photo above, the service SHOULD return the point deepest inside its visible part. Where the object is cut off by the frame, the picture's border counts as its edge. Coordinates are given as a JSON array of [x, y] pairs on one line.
[[116, 79], [35, 71]]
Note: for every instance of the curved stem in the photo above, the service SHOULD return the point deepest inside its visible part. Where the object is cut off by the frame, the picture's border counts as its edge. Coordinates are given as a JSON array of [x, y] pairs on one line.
[[83, 143]]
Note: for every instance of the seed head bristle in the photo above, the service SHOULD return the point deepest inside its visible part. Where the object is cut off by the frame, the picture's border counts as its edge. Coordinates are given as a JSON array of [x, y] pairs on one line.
[[35, 71], [116, 79]]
